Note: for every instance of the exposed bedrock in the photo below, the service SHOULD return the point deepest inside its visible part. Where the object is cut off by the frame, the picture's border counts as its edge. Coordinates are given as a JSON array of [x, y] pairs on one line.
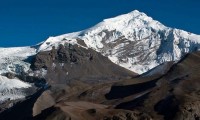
[[71, 62]]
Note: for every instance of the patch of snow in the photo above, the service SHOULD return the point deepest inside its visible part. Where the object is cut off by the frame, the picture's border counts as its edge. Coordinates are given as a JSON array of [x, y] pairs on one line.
[[11, 88], [41, 73]]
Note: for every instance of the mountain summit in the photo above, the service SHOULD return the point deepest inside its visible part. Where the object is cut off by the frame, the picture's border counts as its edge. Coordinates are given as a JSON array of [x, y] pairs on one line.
[[134, 41]]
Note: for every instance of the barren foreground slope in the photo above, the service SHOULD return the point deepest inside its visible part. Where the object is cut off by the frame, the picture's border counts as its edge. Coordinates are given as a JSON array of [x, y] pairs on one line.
[[173, 94]]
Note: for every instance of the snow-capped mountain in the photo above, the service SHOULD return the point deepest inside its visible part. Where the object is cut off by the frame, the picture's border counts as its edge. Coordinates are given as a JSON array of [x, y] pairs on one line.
[[134, 41]]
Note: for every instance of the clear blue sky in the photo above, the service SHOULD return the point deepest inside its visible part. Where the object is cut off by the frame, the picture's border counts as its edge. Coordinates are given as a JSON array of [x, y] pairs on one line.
[[27, 22]]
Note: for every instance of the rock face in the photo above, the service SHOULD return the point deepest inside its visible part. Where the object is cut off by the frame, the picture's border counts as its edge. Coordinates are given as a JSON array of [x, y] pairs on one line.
[[90, 111], [71, 62]]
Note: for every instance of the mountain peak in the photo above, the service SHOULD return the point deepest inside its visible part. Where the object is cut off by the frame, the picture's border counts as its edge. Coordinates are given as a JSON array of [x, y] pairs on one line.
[[129, 16], [127, 23], [133, 40], [136, 12]]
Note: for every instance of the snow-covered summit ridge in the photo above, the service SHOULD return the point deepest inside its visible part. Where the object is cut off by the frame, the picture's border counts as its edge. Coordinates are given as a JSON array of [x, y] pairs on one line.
[[123, 23], [134, 41], [56, 41]]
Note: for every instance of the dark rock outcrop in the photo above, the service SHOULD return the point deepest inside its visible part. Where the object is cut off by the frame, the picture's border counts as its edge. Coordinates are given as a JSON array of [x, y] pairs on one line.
[[71, 62]]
